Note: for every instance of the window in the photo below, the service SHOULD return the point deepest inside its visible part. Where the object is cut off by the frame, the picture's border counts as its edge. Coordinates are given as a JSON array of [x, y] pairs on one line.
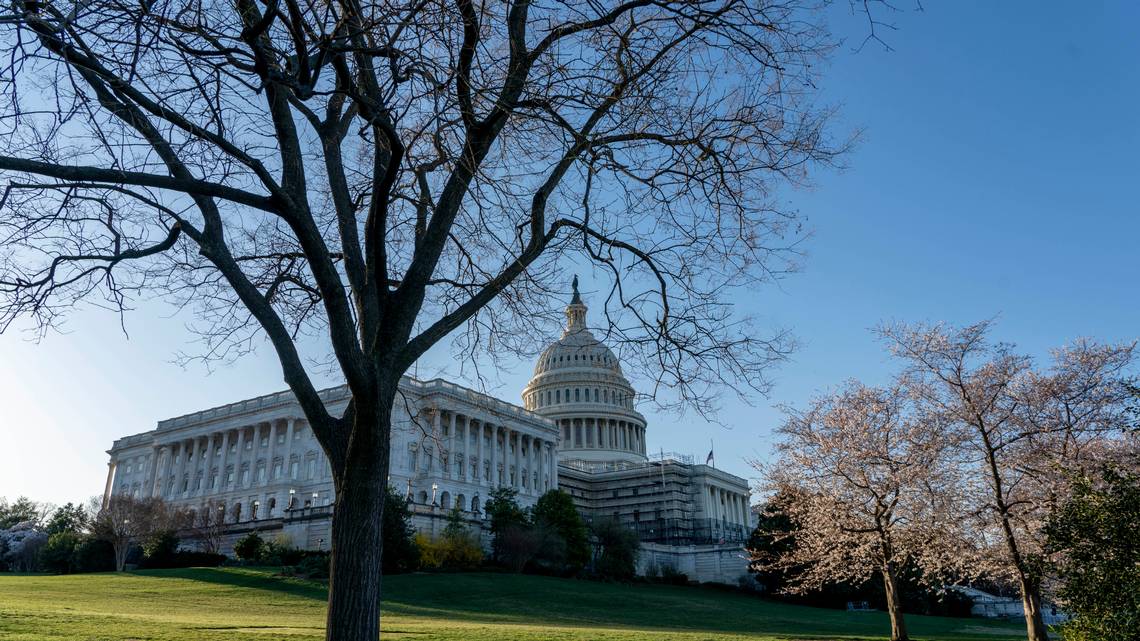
[[616, 493], [261, 473], [294, 467], [577, 395], [281, 438], [265, 441], [229, 475], [276, 470], [245, 476], [557, 396]]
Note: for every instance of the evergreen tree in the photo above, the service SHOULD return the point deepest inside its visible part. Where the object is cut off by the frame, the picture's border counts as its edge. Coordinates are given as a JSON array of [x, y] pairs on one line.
[[1096, 538], [400, 553], [555, 510], [68, 518]]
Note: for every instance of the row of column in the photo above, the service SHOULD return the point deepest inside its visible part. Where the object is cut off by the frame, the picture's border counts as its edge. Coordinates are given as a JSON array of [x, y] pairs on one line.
[[496, 450], [603, 433], [163, 467], [726, 506]]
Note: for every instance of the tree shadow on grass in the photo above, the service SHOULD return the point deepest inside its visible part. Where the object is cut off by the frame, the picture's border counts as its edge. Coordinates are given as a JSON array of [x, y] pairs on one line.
[[531, 600], [248, 578]]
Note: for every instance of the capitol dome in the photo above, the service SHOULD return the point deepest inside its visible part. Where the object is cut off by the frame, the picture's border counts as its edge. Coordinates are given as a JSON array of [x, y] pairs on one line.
[[579, 384]]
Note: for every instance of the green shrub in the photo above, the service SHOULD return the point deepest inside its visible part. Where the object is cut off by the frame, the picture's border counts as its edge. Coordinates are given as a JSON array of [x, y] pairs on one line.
[[58, 554], [1094, 536], [555, 511], [455, 551], [93, 555], [280, 551], [249, 548], [617, 548], [672, 576], [159, 548], [400, 553], [314, 565]]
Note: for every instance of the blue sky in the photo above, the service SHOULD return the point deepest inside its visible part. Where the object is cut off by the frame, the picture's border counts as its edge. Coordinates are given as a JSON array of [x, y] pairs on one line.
[[996, 177]]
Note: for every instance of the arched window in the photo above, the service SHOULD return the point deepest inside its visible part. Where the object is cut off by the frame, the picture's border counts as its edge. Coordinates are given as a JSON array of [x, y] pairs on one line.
[[460, 502], [445, 499], [475, 503], [423, 497], [577, 395]]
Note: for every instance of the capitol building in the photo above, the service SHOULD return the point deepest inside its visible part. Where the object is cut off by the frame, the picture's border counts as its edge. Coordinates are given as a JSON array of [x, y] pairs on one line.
[[257, 466]]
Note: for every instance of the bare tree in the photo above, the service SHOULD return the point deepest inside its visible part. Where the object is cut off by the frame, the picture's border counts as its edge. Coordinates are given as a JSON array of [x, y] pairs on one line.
[[206, 527], [870, 482], [384, 175], [1026, 431], [126, 520]]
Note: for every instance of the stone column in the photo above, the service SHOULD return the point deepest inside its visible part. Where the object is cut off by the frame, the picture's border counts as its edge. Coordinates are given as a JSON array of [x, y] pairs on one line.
[[110, 479], [287, 457], [240, 456], [177, 489], [163, 469], [225, 461], [518, 461], [539, 465], [479, 447], [452, 459], [533, 477], [205, 460], [271, 455], [493, 476], [552, 454], [466, 471], [436, 436], [154, 454]]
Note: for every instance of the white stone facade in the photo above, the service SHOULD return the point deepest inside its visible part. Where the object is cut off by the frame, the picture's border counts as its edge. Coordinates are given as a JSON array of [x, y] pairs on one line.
[[257, 459]]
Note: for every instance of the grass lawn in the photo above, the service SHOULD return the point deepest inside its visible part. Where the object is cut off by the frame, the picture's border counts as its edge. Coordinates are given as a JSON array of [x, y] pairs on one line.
[[248, 604]]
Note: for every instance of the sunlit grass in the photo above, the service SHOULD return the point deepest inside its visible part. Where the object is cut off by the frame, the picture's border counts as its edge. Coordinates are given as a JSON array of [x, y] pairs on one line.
[[249, 604]]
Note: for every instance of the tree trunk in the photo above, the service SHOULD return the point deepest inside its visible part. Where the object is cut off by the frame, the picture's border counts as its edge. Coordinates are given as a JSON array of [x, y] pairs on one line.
[[894, 606], [355, 566], [121, 550], [1031, 604]]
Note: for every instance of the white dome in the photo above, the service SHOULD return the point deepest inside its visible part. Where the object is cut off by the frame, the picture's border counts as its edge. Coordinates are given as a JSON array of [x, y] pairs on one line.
[[578, 382], [577, 349]]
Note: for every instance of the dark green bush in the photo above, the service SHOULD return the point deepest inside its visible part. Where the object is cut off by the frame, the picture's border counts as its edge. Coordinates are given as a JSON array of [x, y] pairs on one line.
[[250, 548], [58, 554]]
